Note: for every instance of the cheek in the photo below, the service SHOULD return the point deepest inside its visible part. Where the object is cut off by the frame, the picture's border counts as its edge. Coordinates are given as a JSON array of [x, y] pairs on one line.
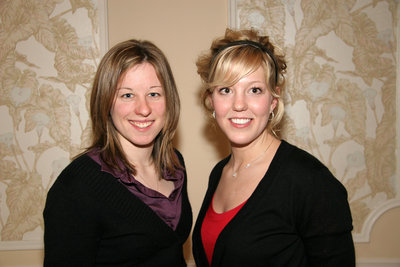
[[261, 108], [159, 108], [118, 111], [113, 113], [220, 104]]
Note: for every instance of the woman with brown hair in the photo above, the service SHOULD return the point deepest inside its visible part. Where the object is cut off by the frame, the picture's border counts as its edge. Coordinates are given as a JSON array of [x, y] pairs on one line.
[[268, 203], [123, 202]]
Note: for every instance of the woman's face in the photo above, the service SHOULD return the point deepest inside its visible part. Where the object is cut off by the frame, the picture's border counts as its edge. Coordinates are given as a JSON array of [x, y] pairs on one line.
[[242, 110], [139, 109]]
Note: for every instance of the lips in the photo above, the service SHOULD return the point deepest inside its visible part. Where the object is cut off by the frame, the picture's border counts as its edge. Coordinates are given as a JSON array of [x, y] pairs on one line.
[[141, 124], [240, 121]]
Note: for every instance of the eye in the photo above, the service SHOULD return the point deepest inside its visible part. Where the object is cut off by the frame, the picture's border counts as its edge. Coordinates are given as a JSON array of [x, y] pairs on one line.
[[127, 95], [255, 90], [154, 94], [224, 90]]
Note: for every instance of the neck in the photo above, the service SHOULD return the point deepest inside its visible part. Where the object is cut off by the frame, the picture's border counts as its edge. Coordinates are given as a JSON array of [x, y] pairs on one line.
[[243, 154], [138, 156], [245, 157]]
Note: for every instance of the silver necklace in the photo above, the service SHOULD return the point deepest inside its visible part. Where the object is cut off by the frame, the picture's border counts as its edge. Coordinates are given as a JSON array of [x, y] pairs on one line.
[[248, 165]]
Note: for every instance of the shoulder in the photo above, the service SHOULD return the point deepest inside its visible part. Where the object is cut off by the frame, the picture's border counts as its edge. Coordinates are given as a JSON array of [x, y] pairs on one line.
[[179, 155], [306, 170], [82, 164], [81, 168], [297, 160], [319, 199], [298, 157]]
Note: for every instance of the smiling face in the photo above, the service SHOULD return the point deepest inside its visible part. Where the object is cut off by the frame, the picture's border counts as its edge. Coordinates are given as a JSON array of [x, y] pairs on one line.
[[139, 109], [242, 110]]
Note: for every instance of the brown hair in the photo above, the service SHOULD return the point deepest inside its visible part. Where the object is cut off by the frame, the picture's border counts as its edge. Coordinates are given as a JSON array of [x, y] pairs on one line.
[[236, 55], [114, 65]]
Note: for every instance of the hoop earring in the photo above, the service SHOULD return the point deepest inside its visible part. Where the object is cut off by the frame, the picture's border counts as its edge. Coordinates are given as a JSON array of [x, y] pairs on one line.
[[213, 114], [272, 116]]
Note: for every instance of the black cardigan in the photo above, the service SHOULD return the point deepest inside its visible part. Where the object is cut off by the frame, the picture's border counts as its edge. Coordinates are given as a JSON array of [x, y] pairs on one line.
[[93, 220], [297, 216]]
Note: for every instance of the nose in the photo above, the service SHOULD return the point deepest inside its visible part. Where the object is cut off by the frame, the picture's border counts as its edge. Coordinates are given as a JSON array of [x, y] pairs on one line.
[[142, 108], [239, 102]]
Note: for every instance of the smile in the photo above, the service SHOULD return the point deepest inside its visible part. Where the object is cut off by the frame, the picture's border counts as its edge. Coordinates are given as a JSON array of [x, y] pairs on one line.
[[240, 121], [141, 124]]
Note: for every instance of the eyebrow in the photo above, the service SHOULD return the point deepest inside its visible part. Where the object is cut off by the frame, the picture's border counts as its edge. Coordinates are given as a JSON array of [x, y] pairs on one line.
[[129, 88], [256, 83]]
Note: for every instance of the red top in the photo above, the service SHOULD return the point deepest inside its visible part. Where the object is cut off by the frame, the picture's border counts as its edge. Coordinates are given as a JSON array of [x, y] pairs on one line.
[[213, 225]]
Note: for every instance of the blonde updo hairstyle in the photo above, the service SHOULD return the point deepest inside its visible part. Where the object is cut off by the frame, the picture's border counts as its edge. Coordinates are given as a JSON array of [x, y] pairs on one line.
[[236, 55]]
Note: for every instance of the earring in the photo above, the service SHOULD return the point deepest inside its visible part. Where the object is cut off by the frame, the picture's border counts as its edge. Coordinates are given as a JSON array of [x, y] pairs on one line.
[[272, 115], [213, 114]]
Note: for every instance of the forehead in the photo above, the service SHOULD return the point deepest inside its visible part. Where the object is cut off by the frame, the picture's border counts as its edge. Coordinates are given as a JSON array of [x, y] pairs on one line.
[[141, 74], [230, 75], [237, 62], [256, 76]]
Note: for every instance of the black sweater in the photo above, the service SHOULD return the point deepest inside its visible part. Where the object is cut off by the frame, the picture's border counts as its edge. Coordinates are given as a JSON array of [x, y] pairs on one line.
[[93, 220], [297, 216]]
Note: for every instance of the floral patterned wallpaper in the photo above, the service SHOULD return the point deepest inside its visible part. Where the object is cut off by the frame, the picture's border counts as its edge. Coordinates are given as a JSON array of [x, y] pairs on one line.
[[341, 96], [49, 51], [341, 90]]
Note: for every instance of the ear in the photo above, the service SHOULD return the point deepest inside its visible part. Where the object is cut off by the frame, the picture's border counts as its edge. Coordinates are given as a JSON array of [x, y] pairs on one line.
[[274, 101], [210, 100]]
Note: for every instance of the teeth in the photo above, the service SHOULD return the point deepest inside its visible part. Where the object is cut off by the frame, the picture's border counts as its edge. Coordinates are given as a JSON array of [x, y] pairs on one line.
[[141, 124], [240, 121]]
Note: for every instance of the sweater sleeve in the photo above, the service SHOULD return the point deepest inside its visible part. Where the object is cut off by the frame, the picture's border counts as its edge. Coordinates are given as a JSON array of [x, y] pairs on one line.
[[325, 222], [70, 223]]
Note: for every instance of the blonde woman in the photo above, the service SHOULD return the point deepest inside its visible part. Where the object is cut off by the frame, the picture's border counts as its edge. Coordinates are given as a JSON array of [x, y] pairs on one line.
[[268, 203]]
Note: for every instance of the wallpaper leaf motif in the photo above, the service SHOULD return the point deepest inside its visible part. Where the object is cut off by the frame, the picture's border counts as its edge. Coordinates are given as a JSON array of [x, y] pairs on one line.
[[342, 80], [43, 102], [23, 197]]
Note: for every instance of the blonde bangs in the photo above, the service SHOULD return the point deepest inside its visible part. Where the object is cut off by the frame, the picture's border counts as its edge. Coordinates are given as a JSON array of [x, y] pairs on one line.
[[232, 65]]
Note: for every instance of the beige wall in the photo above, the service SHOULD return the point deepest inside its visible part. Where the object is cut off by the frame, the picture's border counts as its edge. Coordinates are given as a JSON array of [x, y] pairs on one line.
[[182, 29]]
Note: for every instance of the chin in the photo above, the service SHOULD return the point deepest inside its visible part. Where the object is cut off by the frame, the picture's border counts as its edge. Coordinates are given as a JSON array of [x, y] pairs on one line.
[[240, 142], [143, 144]]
